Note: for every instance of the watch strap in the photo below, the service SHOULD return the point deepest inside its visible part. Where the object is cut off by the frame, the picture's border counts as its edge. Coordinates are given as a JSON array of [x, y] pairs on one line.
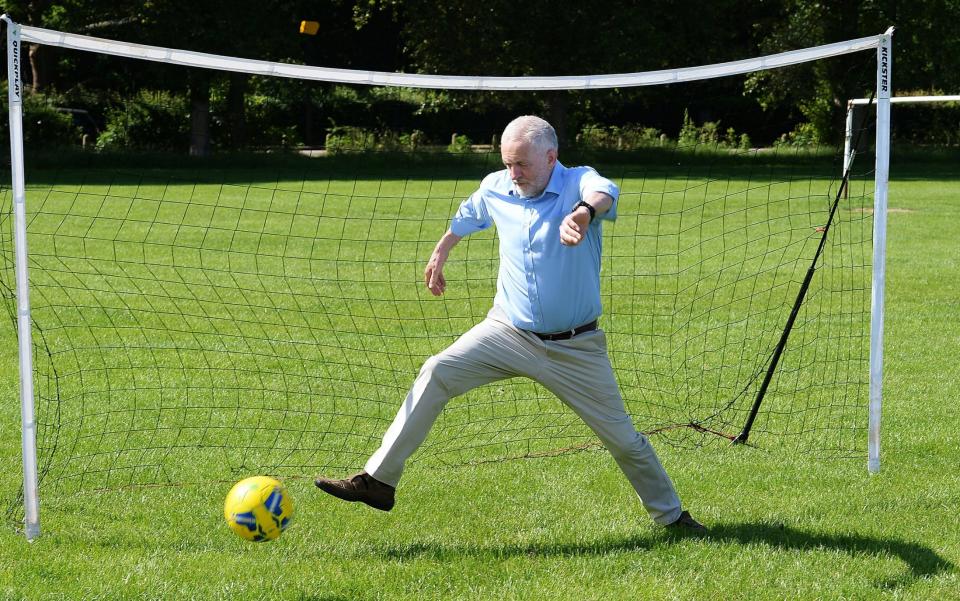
[[583, 203]]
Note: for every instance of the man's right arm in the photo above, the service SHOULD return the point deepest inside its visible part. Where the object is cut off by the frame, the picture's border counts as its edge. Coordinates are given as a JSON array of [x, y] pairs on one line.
[[433, 274], [471, 217]]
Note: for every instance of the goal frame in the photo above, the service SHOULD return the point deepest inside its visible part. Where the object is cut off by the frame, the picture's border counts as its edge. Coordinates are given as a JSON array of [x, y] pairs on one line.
[[854, 103], [880, 219], [18, 34]]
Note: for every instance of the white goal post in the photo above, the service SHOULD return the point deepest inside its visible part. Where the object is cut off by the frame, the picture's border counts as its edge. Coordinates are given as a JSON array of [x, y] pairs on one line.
[[853, 103], [880, 220], [17, 35]]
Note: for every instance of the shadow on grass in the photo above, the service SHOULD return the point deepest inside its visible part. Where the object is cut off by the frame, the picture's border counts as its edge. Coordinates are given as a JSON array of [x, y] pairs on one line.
[[921, 560]]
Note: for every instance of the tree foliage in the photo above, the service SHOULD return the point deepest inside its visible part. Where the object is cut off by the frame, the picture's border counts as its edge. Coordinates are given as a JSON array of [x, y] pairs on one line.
[[494, 37], [926, 57]]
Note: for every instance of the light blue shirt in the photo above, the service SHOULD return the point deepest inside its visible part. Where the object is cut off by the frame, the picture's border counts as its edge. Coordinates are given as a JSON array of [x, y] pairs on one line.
[[542, 286]]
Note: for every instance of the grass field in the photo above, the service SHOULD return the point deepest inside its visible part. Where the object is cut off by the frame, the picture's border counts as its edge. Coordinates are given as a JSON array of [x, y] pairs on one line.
[[569, 527]]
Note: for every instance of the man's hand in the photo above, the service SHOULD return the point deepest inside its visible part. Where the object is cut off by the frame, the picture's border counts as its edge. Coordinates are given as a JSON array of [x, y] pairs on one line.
[[574, 227], [433, 273]]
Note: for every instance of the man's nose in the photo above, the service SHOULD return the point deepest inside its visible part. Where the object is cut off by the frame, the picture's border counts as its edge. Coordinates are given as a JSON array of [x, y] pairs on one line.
[[515, 173]]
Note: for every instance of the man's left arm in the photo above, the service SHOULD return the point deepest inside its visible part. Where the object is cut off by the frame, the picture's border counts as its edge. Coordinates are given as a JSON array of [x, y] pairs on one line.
[[574, 226]]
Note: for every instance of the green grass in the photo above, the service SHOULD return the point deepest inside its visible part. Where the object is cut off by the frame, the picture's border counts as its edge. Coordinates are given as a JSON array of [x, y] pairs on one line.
[[569, 527]]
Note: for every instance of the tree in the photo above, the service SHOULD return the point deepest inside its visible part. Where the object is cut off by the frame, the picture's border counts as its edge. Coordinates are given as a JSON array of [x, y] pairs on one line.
[[497, 37], [263, 30], [89, 18], [926, 54]]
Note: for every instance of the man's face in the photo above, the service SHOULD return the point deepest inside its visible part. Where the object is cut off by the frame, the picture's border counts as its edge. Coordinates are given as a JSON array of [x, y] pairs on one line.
[[529, 167]]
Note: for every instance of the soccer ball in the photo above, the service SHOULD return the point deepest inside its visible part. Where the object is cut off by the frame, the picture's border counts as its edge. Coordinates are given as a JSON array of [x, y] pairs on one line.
[[258, 508]]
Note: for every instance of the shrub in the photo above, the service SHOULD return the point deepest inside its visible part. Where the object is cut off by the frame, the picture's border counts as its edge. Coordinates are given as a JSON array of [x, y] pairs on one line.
[[735, 140], [459, 144], [627, 137], [44, 126], [267, 122], [804, 135], [350, 138], [691, 135], [150, 120], [345, 138]]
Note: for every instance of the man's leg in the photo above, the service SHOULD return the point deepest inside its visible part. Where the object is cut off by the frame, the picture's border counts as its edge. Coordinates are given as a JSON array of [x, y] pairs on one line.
[[579, 373], [491, 351]]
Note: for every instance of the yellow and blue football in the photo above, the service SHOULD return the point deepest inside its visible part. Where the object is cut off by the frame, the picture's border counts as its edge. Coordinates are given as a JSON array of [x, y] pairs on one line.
[[258, 508]]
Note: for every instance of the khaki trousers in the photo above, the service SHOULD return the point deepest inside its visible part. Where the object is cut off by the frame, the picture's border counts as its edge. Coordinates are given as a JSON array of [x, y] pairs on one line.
[[577, 370]]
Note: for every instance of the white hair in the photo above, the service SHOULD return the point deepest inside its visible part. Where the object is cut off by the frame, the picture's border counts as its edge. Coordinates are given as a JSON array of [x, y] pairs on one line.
[[531, 129]]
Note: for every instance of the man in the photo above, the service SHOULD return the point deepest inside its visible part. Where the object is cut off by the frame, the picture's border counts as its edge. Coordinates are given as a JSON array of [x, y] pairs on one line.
[[543, 324]]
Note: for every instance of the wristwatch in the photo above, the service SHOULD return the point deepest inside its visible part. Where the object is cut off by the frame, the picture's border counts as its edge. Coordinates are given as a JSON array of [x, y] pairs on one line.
[[583, 203]]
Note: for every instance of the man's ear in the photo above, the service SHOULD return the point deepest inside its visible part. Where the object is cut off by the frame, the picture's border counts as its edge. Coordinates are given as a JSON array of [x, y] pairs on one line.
[[552, 156]]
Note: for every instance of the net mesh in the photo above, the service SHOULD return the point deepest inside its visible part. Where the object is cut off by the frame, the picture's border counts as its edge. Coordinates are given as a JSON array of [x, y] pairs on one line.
[[202, 321]]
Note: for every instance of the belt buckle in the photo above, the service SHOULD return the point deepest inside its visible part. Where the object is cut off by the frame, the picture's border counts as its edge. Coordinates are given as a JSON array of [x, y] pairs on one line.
[[572, 333]]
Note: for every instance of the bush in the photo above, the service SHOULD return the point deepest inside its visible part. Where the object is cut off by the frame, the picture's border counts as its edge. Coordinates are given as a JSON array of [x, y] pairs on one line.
[[804, 135], [349, 138], [628, 137], [268, 118], [44, 126], [151, 120], [459, 144], [691, 135], [267, 122], [636, 137]]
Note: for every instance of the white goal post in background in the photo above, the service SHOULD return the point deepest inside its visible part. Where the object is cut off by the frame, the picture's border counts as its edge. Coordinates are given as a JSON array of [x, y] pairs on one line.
[[858, 102], [16, 35]]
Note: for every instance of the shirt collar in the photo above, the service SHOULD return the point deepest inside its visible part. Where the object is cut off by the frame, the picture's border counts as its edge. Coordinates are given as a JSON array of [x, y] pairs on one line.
[[554, 184]]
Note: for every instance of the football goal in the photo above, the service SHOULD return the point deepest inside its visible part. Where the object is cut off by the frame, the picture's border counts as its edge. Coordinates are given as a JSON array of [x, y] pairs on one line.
[[855, 105], [195, 320]]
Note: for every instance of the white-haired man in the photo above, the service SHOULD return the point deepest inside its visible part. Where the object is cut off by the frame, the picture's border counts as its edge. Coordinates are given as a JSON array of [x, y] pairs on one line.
[[543, 324]]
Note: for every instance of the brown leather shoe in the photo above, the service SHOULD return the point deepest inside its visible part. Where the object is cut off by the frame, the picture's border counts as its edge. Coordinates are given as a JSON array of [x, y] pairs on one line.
[[360, 487], [687, 525]]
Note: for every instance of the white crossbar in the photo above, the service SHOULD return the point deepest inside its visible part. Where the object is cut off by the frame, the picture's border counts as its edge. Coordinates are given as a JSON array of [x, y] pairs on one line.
[[189, 58], [908, 100]]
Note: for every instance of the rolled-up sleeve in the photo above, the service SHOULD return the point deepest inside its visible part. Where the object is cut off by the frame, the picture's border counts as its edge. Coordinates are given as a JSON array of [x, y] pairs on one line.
[[471, 217], [591, 181]]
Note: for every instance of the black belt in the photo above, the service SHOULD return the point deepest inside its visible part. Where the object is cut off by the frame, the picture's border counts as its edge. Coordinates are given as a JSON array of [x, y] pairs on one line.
[[568, 334]]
